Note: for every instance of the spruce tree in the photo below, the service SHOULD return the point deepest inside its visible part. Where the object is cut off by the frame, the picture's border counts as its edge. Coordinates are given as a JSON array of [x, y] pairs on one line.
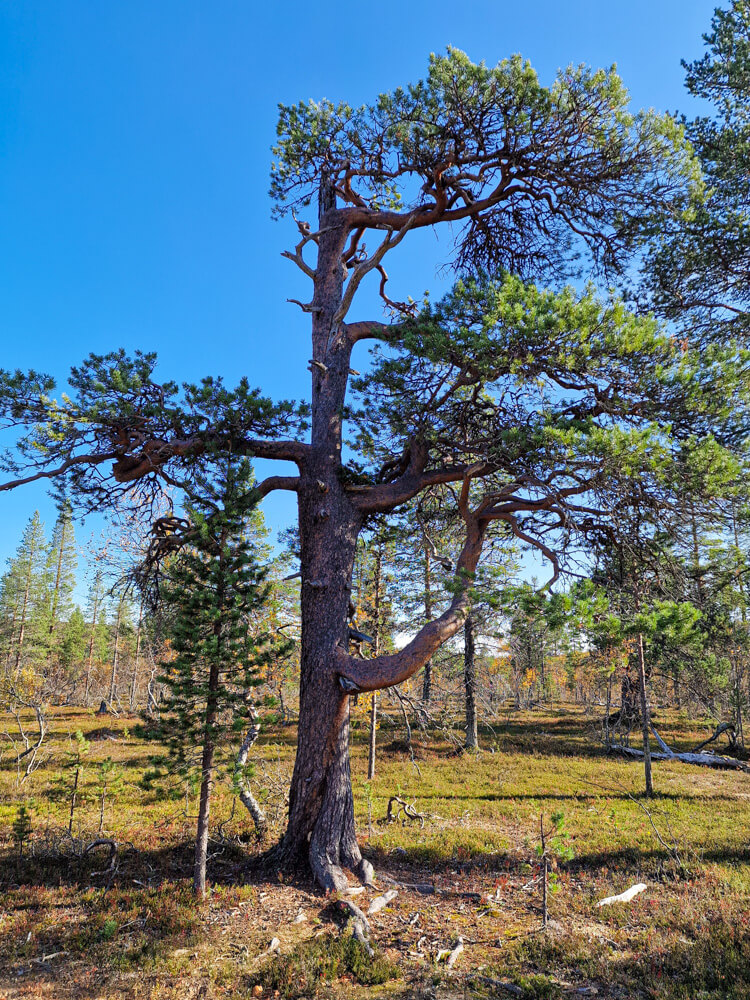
[[213, 590]]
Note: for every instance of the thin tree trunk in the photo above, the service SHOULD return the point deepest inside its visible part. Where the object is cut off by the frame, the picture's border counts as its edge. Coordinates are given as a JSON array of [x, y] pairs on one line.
[[470, 683], [204, 812], [376, 651], [609, 708], [209, 750], [644, 716], [373, 729], [427, 676], [545, 871], [56, 591], [696, 559], [115, 657], [134, 681], [73, 797], [90, 658]]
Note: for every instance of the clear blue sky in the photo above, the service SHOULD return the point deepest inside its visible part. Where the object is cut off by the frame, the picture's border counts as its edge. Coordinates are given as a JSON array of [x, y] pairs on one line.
[[136, 148]]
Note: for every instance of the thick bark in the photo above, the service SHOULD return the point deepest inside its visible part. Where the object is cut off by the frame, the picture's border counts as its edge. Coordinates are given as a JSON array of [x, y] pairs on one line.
[[320, 829], [470, 684], [321, 808]]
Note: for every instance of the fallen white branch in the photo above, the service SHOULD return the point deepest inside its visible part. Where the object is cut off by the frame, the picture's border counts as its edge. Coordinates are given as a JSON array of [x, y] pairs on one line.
[[380, 902], [451, 960], [450, 955], [623, 897]]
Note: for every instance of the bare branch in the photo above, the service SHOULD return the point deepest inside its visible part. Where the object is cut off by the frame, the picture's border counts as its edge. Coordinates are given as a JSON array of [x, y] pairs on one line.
[[296, 257], [272, 483], [368, 330], [392, 239], [386, 671], [306, 307], [60, 470]]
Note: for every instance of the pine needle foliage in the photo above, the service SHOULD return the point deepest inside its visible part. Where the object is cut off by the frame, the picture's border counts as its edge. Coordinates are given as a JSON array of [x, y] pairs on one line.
[[213, 601]]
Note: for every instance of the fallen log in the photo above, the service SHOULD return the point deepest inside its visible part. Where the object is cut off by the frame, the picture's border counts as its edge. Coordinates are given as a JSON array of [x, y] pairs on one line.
[[698, 759]]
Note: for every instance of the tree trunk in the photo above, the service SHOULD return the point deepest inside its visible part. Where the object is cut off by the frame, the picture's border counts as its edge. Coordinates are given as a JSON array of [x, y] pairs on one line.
[[321, 807], [320, 829], [90, 657], [134, 682], [209, 750], [56, 591], [115, 657], [373, 730], [245, 794], [470, 683], [644, 716], [204, 811], [609, 707], [427, 676], [376, 651]]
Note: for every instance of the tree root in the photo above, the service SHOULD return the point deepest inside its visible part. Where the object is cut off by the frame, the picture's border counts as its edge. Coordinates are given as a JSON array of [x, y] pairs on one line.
[[359, 924]]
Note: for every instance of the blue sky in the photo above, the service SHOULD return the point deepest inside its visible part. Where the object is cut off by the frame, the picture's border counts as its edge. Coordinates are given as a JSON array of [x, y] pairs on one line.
[[135, 143]]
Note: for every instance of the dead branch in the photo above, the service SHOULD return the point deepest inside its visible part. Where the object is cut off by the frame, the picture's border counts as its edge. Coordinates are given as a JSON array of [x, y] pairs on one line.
[[31, 749], [103, 842], [245, 795], [725, 727], [405, 809]]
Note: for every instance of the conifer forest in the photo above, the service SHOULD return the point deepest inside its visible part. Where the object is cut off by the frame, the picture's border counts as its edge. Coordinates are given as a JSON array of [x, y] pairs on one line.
[[431, 680]]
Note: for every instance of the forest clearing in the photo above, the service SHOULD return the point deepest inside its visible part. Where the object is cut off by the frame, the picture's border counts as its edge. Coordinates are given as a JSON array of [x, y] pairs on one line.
[[73, 926]]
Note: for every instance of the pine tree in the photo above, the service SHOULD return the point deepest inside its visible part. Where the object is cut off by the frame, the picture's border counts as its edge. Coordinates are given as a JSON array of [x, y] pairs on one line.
[[23, 596], [61, 565], [214, 596], [94, 616], [72, 645]]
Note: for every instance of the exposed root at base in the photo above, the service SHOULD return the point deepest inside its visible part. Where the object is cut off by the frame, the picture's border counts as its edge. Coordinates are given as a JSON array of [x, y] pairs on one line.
[[330, 875]]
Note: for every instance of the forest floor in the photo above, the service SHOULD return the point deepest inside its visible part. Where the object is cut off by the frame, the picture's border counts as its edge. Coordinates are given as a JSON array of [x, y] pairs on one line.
[[71, 926]]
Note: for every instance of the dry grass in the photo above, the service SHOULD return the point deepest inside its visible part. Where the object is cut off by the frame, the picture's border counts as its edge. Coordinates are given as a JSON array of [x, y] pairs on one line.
[[71, 928]]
